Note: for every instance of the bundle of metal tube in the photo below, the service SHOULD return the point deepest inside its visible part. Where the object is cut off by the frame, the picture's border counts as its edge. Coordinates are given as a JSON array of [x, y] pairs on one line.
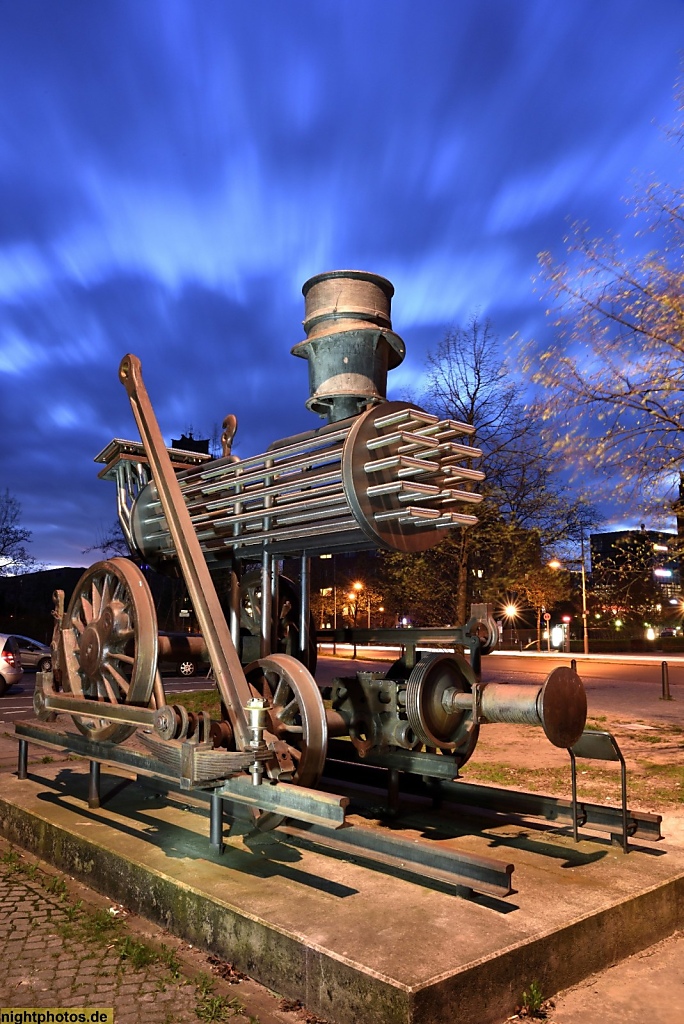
[[388, 479], [379, 475]]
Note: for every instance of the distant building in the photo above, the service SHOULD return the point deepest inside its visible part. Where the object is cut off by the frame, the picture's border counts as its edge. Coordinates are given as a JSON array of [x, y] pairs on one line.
[[191, 444], [642, 565]]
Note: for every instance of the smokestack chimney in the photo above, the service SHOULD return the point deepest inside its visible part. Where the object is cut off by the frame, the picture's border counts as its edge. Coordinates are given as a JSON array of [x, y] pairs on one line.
[[350, 344]]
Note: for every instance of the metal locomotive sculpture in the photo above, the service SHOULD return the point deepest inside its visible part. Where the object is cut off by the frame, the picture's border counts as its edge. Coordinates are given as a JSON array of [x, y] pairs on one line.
[[378, 474]]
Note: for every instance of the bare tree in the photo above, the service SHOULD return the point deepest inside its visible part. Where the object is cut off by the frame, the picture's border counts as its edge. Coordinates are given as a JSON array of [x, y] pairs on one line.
[[14, 558], [543, 588], [110, 541], [525, 509]]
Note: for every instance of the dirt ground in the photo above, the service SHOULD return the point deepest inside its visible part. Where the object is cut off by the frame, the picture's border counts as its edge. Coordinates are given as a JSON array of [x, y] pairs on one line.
[[522, 757]]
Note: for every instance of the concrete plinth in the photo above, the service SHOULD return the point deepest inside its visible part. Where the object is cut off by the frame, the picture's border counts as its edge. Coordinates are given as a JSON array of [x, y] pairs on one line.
[[353, 944]]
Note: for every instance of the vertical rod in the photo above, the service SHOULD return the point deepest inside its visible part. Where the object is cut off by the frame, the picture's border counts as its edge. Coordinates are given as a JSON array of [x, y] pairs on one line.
[[573, 664], [623, 773], [575, 829], [476, 656], [665, 681], [305, 606], [266, 609], [94, 784], [275, 603], [22, 765], [235, 605], [216, 823]]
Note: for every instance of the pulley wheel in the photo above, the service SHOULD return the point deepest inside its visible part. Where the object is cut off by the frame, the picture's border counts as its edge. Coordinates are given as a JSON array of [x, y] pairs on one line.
[[452, 731], [109, 640]]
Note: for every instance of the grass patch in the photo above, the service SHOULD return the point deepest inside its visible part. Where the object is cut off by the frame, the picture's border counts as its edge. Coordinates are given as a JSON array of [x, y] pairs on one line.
[[651, 785], [218, 1008], [199, 700]]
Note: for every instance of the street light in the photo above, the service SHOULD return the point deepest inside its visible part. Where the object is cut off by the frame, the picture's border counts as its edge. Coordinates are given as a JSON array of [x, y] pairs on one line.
[[555, 564], [358, 587]]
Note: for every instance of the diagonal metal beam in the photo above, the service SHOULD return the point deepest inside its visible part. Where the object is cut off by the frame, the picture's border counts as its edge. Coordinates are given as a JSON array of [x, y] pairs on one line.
[[230, 678]]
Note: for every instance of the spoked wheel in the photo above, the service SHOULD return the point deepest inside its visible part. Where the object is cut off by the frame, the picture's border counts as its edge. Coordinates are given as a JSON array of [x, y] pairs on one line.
[[109, 638], [297, 715], [288, 617]]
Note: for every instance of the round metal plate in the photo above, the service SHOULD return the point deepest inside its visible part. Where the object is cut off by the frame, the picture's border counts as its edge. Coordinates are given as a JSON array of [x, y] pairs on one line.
[[383, 533], [562, 705]]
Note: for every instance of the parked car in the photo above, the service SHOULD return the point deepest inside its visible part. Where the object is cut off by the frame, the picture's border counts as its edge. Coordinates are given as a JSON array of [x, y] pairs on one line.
[[34, 654], [10, 662], [182, 653]]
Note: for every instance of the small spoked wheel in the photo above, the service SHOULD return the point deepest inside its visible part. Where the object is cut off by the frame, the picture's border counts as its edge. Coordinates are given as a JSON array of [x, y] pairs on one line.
[[297, 712], [297, 716], [109, 638]]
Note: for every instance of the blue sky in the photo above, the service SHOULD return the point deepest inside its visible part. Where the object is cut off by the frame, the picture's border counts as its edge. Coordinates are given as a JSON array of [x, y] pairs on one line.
[[172, 171]]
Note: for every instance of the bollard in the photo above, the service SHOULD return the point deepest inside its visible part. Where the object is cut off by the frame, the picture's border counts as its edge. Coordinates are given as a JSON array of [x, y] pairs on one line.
[[22, 767], [665, 682], [94, 784], [216, 823], [573, 664]]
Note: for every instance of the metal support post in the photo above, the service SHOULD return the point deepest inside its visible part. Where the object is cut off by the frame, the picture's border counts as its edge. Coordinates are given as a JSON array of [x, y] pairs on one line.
[[216, 823], [304, 606], [573, 664], [235, 605], [585, 626], [275, 602], [575, 823], [22, 766], [266, 608], [476, 656], [94, 784], [393, 792]]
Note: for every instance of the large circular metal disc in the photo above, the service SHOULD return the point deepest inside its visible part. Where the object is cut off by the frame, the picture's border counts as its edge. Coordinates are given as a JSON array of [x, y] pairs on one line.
[[298, 714], [562, 706], [433, 725], [356, 460], [109, 638]]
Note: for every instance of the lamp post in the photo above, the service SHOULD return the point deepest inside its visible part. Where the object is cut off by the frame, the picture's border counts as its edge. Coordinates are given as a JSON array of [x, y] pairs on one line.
[[358, 587], [556, 564], [585, 628]]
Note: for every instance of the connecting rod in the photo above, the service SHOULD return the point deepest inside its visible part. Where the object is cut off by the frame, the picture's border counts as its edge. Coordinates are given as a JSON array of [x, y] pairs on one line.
[[225, 661]]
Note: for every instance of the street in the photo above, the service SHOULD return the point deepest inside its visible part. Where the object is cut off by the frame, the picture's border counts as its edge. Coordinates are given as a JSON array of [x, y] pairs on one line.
[[626, 685]]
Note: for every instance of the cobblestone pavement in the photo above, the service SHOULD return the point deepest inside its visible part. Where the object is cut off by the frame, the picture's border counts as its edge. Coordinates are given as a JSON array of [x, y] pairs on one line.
[[63, 945], [48, 961]]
